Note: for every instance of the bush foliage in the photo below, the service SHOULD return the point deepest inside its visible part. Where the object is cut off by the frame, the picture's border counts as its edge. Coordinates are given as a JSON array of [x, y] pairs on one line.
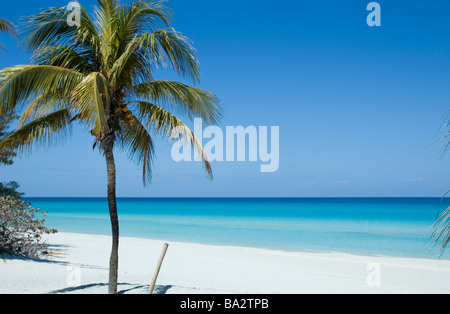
[[21, 228]]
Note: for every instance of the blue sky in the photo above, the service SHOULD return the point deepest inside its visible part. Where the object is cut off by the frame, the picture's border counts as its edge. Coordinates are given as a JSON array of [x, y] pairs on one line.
[[358, 108]]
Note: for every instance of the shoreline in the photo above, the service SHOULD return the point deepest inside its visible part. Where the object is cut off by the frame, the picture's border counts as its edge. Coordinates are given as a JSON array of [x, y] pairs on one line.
[[270, 249], [191, 268]]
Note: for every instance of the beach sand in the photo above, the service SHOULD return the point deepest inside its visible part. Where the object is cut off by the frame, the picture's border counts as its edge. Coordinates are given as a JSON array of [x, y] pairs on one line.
[[204, 269]]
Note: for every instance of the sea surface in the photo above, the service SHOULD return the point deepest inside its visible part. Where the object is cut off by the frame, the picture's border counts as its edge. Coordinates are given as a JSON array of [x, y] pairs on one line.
[[369, 226]]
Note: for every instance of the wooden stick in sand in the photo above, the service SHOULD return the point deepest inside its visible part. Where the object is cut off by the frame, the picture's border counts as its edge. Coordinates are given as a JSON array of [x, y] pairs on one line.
[[158, 267]]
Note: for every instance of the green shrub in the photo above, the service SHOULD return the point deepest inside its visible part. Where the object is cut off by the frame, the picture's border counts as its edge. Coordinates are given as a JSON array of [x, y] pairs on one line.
[[21, 228]]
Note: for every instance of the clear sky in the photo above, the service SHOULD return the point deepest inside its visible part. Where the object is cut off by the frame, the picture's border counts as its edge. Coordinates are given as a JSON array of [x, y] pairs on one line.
[[358, 107]]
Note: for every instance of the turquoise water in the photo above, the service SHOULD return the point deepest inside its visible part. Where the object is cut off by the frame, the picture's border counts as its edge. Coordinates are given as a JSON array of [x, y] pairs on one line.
[[375, 226]]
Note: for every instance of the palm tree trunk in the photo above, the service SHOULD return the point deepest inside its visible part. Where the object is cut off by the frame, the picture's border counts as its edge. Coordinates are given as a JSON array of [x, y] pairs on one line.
[[114, 260]]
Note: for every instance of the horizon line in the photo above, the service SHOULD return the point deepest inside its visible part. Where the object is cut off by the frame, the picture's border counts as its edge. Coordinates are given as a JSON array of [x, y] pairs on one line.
[[231, 197]]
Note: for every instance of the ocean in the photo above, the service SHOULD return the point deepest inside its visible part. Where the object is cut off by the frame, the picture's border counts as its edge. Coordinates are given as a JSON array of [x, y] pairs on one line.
[[369, 226]]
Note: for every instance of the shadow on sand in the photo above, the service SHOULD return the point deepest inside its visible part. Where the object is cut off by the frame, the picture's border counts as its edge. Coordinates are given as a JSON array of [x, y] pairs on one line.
[[144, 288]]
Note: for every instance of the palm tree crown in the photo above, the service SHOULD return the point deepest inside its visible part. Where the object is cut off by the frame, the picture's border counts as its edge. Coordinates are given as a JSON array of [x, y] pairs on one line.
[[101, 75]]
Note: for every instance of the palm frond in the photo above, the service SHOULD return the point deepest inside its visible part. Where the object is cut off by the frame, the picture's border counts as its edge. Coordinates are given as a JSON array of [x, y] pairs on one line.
[[158, 49], [90, 97], [181, 97], [153, 50], [8, 28], [107, 25], [444, 134], [80, 59], [135, 139], [441, 228], [139, 17], [164, 123], [144, 15], [167, 46], [23, 83], [50, 26], [129, 65], [50, 29], [46, 27], [40, 107], [46, 131]]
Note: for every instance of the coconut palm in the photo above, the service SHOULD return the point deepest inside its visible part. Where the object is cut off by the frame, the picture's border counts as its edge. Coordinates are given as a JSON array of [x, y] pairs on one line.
[[101, 75]]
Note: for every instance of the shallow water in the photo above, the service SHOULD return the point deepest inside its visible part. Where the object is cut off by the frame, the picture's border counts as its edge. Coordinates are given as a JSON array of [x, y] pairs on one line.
[[369, 226]]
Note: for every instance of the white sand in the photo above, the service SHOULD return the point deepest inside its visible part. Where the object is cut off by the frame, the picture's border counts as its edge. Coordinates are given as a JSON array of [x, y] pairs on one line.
[[202, 269]]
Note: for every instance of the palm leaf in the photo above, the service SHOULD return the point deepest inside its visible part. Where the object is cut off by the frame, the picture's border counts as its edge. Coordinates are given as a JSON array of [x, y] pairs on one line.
[[80, 59], [135, 139], [8, 28], [144, 15], [23, 83], [46, 28], [129, 65], [441, 228], [89, 98], [167, 46], [46, 130], [186, 99], [164, 123], [41, 106], [50, 26]]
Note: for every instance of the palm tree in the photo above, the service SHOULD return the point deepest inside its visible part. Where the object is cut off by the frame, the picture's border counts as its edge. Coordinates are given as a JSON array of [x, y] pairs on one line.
[[8, 28], [100, 75]]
